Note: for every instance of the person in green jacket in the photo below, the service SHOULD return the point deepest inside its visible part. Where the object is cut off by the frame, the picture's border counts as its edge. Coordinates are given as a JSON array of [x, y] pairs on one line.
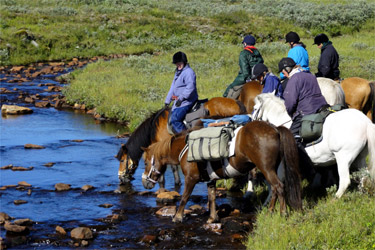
[[249, 56]]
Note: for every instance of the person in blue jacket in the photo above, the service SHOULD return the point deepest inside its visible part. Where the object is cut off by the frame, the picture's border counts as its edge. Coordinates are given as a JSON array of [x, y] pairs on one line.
[[297, 52], [269, 81], [183, 92]]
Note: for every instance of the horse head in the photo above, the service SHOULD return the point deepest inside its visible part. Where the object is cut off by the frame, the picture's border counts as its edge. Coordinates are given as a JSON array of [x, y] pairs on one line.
[[153, 167], [127, 165]]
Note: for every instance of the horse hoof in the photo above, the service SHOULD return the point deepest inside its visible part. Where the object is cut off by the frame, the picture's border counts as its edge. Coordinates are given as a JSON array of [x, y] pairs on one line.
[[212, 220], [177, 219]]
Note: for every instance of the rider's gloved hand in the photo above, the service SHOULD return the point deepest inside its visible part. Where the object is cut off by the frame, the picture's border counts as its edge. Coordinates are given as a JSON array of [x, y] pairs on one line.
[[178, 103], [166, 105]]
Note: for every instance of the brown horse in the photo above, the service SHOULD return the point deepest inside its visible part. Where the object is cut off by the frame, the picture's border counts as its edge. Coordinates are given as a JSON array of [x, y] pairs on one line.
[[258, 144], [360, 94], [154, 129], [248, 93]]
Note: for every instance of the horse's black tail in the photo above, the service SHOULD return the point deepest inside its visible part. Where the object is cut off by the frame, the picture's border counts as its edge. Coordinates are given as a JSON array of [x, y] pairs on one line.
[[371, 100], [291, 163]]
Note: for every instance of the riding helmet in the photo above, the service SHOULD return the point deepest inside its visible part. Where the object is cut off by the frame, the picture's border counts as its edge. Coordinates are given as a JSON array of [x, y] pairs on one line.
[[180, 57], [286, 62], [258, 69], [249, 40], [321, 38], [292, 37]]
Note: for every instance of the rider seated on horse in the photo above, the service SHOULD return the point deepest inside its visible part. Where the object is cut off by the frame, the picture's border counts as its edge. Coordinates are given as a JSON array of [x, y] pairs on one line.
[[249, 56], [302, 93], [183, 91], [270, 81]]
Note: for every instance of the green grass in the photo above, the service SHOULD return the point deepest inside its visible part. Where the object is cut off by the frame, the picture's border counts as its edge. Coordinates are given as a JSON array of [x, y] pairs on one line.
[[346, 223]]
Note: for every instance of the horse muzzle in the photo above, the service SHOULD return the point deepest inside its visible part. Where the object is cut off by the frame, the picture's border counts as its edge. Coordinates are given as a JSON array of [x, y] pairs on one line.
[[125, 178]]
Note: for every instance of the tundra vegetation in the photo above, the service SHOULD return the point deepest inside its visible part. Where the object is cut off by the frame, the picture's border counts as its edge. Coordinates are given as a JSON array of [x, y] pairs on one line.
[[210, 32]]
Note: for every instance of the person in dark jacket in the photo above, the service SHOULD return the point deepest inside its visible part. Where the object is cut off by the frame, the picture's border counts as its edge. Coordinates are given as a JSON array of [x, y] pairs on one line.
[[249, 56], [183, 92], [270, 82], [302, 93], [329, 58]]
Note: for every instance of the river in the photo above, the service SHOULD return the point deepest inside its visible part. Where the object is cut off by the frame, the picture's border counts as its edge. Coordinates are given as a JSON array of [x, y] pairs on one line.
[[81, 152]]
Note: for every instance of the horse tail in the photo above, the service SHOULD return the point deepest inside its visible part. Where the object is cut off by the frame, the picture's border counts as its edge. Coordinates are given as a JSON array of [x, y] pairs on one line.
[[371, 149], [371, 100], [340, 95], [242, 107], [289, 153]]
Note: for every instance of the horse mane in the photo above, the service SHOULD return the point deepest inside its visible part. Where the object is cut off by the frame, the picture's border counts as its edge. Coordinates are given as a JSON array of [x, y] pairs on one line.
[[142, 136], [279, 105], [163, 148]]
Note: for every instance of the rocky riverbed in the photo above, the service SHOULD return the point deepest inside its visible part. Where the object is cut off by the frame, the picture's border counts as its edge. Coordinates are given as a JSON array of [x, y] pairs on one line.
[[59, 186]]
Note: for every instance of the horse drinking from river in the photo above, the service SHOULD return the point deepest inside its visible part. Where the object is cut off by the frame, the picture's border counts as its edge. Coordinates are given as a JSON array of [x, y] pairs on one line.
[[257, 144], [348, 137], [154, 129]]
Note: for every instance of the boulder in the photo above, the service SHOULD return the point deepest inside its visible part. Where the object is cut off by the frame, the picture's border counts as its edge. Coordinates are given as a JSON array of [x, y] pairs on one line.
[[19, 202], [23, 222], [168, 197], [169, 211], [4, 217], [33, 146], [16, 168], [49, 164], [60, 230], [87, 187], [7, 166], [24, 184], [10, 227], [15, 110], [62, 187], [81, 233], [106, 205]]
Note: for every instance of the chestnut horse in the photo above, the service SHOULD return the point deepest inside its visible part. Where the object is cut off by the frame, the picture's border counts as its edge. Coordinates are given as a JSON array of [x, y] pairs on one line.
[[248, 93], [154, 129], [257, 144], [360, 94]]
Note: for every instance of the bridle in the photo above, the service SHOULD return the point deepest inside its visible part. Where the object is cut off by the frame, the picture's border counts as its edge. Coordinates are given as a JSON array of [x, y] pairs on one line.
[[153, 169], [129, 164]]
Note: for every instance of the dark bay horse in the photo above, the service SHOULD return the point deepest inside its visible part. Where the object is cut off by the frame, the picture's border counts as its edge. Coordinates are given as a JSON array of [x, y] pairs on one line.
[[248, 93], [154, 129], [258, 144], [360, 94]]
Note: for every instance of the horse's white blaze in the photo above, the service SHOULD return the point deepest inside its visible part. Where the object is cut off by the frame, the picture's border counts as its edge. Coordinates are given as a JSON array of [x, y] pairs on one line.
[[348, 136]]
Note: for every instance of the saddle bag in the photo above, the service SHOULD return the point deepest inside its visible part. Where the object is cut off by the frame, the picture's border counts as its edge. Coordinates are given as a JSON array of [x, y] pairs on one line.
[[235, 92], [312, 125], [209, 143]]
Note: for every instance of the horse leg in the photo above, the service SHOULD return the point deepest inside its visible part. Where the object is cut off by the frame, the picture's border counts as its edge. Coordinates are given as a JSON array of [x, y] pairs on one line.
[[177, 180], [189, 186], [161, 182], [277, 191], [343, 164], [211, 188]]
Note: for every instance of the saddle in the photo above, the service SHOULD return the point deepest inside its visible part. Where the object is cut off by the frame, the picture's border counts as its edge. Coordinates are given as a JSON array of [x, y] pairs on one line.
[[312, 125], [196, 112]]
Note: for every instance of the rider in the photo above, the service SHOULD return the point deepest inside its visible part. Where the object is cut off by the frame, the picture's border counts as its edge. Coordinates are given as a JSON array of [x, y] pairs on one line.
[[329, 58], [270, 81], [249, 56], [183, 91], [297, 52], [302, 93]]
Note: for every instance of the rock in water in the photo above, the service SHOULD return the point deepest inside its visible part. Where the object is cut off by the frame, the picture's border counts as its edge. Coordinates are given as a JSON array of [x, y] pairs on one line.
[[15, 110]]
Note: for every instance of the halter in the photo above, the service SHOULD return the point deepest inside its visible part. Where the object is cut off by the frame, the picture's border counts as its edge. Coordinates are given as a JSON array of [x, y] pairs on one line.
[[153, 169]]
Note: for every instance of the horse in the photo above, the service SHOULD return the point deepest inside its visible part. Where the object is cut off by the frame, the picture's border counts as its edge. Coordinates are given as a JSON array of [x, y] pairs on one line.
[[154, 129], [332, 91], [344, 138], [360, 94], [257, 144], [248, 93]]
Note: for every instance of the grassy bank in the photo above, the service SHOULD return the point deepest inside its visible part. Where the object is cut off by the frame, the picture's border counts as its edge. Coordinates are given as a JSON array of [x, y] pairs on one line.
[[346, 223]]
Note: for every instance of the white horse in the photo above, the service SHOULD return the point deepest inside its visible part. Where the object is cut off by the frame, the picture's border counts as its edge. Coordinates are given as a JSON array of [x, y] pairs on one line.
[[348, 137], [332, 91]]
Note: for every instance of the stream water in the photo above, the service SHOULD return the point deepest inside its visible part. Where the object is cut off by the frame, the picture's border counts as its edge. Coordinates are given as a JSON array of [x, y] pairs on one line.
[[82, 152]]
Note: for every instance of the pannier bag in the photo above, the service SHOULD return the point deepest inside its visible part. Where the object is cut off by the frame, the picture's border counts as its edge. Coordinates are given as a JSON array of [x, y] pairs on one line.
[[312, 125], [209, 143], [235, 92]]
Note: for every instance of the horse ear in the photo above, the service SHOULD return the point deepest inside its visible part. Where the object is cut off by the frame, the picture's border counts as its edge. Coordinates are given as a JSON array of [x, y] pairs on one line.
[[144, 149]]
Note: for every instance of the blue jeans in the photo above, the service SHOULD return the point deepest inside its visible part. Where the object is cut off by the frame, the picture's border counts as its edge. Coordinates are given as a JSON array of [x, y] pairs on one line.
[[177, 118]]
